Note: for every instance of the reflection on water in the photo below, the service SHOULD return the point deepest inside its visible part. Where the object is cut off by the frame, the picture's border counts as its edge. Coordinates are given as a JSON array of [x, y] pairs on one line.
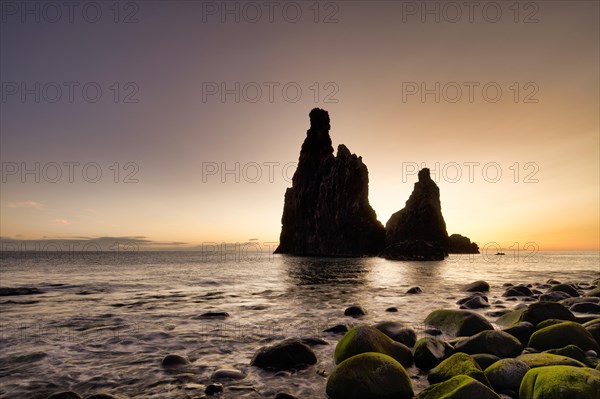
[[331, 271]]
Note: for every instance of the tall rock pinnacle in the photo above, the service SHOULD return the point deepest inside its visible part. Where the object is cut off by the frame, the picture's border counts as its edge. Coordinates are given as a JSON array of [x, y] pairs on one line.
[[418, 231], [327, 211]]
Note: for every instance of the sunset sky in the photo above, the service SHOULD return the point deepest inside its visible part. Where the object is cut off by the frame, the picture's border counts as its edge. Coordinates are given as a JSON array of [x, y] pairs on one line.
[[163, 129]]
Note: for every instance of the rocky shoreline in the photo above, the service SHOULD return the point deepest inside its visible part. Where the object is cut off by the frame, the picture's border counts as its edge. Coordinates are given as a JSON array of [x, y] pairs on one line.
[[545, 346]]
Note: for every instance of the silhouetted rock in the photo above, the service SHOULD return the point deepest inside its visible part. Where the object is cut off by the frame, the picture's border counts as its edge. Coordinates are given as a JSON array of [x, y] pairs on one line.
[[174, 361], [418, 231], [458, 244], [327, 210], [287, 354], [355, 311]]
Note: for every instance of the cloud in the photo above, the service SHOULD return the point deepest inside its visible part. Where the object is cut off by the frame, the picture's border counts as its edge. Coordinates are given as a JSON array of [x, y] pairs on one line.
[[25, 204], [126, 243], [62, 221]]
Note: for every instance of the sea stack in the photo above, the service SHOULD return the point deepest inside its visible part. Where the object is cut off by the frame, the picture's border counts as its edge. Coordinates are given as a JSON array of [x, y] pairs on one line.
[[458, 244], [326, 211], [418, 231]]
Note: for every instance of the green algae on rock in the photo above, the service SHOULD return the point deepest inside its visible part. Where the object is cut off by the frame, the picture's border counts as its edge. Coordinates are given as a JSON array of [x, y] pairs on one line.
[[559, 335], [458, 387], [361, 339], [457, 364], [369, 375], [534, 360], [560, 382]]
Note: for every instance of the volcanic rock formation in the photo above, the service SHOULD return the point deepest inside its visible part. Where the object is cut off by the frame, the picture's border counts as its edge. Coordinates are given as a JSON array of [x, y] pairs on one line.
[[327, 211], [418, 231], [458, 244]]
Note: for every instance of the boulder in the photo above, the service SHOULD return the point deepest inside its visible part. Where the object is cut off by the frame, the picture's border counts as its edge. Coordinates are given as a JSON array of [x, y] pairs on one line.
[[485, 360], [418, 231], [534, 360], [214, 315], [517, 290], [174, 361], [569, 289], [326, 211], [337, 329], [494, 342], [560, 382], [398, 332], [287, 354], [477, 286], [506, 374], [458, 387], [227, 374], [363, 339], [213, 389], [473, 295], [572, 351], [457, 364], [560, 335], [554, 296], [458, 322], [521, 331], [369, 375], [477, 302], [548, 323], [586, 307], [355, 311], [429, 352], [540, 311]]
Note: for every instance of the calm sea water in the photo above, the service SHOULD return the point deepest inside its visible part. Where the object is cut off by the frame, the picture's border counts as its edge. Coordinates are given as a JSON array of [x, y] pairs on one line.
[[105, 321]]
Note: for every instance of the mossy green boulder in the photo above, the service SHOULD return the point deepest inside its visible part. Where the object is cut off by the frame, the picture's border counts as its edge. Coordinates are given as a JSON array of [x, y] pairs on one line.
[[369, 375], [458, 323], [457, 364], [548, 323], [493, 342], [560, 382], [572, 351], [534, 360], [506, 374], [563, 334], [540, 311], [458, 387], [364, 338]]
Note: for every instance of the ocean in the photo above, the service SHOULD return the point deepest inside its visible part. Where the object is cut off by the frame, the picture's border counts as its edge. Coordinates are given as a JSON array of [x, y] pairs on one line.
[[103, 321]]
